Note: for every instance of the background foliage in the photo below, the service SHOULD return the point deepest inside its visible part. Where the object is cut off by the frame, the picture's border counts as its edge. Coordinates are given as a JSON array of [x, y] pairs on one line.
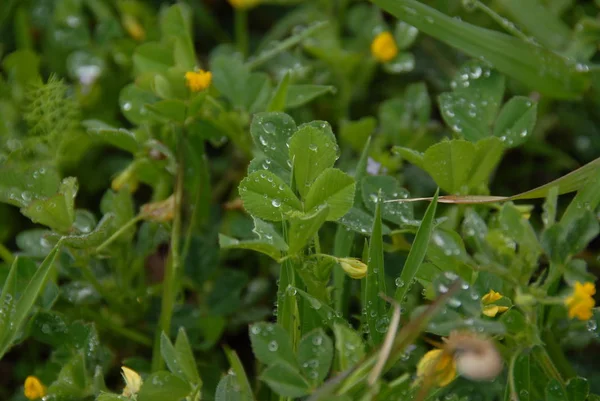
[[234, 243]]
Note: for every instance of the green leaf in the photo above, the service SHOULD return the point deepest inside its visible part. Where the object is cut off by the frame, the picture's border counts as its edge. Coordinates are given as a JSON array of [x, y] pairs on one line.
[[315, 353], [267, 197], [304, 228], [521, 60], [185, 357], [395, 212], [58, 211], [83, 240], [277, 102], [357, 133], [516, 121], [169, 110], [488, 152], [246, 90], [374, 306], [243, 384], [152, 57], [169, 354], [360, 221], [449, 163], [133, 101], [312, 152], [471, 108], [404, 35], [578, 389], [163, 386], [271, 344], [19, 185], [349, 345], [119, 137], [417, 252], [25, 303], [562, 241], [334, 188], [327, 314], [285, 380], [299, 95], [271, 133], [555, 391], [228, 389]]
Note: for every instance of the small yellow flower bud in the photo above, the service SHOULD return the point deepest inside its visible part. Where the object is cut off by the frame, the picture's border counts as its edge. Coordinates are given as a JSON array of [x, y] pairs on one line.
[[353, 267], [198, 80], [34, 389], [491, 296], [492, 310], [133, 27], [127, 178], [133, 381], [161, 212], [384, 47]]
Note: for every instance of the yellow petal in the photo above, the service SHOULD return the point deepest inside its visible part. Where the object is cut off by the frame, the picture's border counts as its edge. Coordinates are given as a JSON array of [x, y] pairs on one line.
[[491, 310], [133, 381], [384, 47], [490, 297], [198, 80], [34, 389], [439, 365], [353, 267]]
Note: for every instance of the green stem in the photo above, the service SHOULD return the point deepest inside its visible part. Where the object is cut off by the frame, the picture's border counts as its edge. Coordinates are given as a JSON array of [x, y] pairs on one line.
[[6, 254], [285, 45], [556, 354], [117, 233], [511, 376], [241, 30], [547, 365], [170, 289]]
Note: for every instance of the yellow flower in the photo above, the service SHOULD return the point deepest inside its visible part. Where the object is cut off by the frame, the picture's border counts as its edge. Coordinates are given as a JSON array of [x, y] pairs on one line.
[[198, 80], [491, 296], [581, 302], [353, 267], [492, 310], [437, 365], [383, 47], [133, 27], [34, 389], [243, 4], [126, 178], [133, 381]]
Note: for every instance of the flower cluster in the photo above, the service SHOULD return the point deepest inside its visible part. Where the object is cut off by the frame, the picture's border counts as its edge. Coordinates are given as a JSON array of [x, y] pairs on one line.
[[489, 308], [198, 80], [581, 301], [384, 47]]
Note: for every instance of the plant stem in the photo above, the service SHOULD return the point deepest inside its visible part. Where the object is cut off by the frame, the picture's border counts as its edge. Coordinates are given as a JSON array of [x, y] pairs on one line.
[[173, 266], [117, 233], [241, 30], [6, 254]]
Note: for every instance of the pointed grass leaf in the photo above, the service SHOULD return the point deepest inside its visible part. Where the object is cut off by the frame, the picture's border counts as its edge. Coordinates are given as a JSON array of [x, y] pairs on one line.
[[28, 297], [299, 95], [169, 355], [539, 68], [334, 188], [271, 344], [516, 121], [373, 304], [267, 197], [163, 386], [278, 99], [271, 133], [228, 389], [417, 252], [185, 357], [304, 228], [312, 151], [315, 354], [390, 189], [349, 345], [285, 380], [58, 211], [449, 163]]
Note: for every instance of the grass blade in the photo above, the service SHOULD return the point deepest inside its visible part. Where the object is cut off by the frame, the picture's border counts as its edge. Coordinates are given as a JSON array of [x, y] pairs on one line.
[[375, 283], [540, 68], [417, 251]]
